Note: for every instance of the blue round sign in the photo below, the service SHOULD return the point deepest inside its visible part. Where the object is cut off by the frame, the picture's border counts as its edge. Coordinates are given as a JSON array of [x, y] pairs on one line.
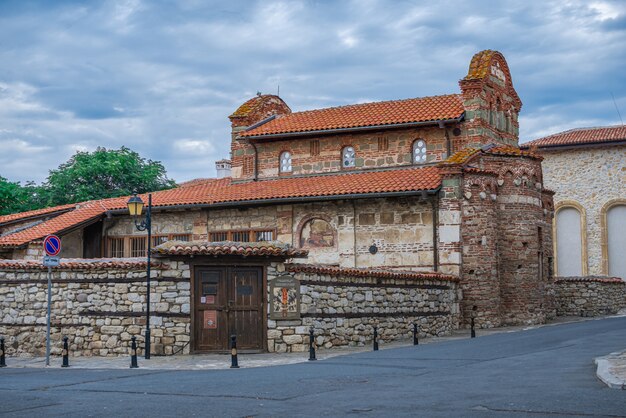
[[52, 245]]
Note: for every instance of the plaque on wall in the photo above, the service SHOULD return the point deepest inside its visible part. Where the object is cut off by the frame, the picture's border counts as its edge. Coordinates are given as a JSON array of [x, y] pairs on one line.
[[210, 319], [285, 298]]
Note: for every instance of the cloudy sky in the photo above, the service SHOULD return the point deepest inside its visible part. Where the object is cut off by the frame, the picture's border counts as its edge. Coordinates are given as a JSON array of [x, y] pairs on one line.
[[161, 77]]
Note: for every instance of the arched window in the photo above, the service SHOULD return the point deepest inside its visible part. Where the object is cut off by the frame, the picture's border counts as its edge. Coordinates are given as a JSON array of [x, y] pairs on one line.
[[419, 151], [285, 162], [570, 246], [616, 240], [348, 157]]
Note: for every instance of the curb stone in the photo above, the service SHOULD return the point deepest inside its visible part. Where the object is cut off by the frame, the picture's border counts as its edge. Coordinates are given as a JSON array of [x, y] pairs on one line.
[[606, 374]]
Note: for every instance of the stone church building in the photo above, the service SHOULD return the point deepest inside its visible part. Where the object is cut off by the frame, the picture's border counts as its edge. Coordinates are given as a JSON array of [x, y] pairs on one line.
[[386, 213]]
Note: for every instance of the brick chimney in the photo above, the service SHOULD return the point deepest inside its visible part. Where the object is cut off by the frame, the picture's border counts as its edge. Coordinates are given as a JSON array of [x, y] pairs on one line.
[[223, 168]]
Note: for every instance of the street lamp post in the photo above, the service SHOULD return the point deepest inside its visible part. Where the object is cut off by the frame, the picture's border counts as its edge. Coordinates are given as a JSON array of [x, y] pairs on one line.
[[135, 208]]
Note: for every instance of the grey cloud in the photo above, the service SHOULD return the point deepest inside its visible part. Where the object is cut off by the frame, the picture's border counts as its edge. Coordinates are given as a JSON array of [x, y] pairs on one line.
[[162, 77]]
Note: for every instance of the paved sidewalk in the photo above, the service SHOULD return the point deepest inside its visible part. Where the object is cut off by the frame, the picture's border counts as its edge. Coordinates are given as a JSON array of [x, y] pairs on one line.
[[222, 361], [612, 370]]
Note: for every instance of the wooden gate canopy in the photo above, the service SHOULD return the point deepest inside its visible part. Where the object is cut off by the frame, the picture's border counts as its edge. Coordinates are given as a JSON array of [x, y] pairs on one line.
[[243, 249]]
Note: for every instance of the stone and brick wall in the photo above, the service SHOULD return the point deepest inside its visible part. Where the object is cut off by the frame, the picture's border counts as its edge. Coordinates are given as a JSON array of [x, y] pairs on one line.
[[98, 305], [507, 244], [344, 305], [589, 296], [401, 228], [373, 150], [600, 178]]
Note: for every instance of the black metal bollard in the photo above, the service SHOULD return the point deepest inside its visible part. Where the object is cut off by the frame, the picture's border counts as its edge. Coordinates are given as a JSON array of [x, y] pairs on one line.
[[234, 364], [473, 331], [133, 353], [311, 345], [3, 362], [375, 339], [66, 359], [415, 341]]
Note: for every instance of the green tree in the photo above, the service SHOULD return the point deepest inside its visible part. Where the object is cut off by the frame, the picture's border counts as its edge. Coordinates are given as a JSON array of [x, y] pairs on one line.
[[101, 174], [17, 198]]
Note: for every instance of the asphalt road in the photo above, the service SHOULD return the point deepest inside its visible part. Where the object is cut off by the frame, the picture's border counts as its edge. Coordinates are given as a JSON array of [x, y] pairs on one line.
[[547, 371]]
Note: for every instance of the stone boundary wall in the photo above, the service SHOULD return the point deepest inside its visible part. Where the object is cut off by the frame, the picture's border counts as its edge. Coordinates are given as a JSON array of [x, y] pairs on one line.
[[99, 306], [343, 305], [589, 296]]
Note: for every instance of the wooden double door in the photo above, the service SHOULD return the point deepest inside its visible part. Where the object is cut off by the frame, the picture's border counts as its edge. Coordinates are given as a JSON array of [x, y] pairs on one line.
[[227, 301]]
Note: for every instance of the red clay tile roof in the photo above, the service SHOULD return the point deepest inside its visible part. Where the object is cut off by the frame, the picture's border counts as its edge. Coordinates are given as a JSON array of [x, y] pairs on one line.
[[587, 279], [244, 249], [508, 150], [80, 264], [461, 157], [466, 154], [480, 65], [222, 191], [368, 272], [400, 180], [580, 136], [252, 104], [392, 112], [35, 213]]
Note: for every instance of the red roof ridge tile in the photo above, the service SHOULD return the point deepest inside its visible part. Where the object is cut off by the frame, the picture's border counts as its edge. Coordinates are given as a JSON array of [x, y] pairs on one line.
[[580, 136], [369, 272], [244, 249], [81, 264], [352, 105], [597, 279]]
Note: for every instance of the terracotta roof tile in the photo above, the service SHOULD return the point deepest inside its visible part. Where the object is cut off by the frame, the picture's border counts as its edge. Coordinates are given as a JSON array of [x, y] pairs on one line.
[[580, 136], [480, 65], [401, 180], [461, 157], [392, 112], [587, 279], [368, 272], [466, 154], [214, 191], [244, 249], [80, 264], [508, 150], [474, 170], [35, 213], [249, 106]]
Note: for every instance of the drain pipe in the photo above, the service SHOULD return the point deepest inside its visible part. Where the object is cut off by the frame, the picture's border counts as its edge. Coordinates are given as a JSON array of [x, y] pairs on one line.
[[442, 125], [435, 234], [256, 161], [354, 230]]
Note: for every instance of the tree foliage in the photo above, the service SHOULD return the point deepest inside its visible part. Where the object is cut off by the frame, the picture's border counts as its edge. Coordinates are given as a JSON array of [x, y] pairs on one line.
[[17, 198], [87, 176]]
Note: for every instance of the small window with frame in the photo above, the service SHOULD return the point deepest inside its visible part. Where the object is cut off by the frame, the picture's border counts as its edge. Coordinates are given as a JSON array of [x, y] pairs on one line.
[[348, 157], [285, 162], [419, 152]]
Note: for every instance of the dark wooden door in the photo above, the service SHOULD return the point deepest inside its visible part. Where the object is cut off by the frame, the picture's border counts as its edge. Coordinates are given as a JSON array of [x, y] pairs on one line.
[[228, 300]]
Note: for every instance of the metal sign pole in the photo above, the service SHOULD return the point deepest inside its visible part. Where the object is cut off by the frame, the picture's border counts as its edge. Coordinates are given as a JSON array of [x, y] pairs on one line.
[[48, 321]]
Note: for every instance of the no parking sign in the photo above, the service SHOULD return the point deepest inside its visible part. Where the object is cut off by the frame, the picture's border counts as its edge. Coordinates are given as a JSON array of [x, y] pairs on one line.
[[52, 245]]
